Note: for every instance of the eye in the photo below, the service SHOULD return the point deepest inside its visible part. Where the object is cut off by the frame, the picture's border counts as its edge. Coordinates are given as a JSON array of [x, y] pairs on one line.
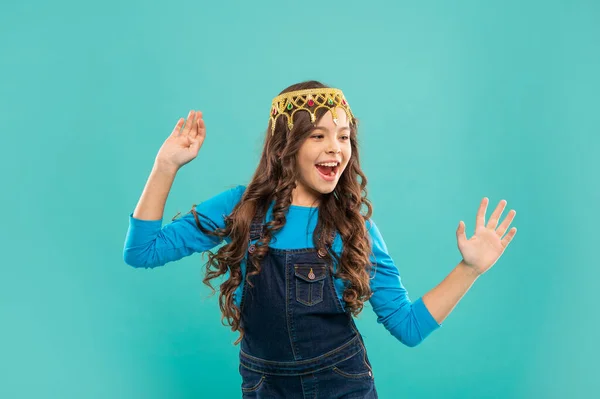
[[317, 135], [346, 137]]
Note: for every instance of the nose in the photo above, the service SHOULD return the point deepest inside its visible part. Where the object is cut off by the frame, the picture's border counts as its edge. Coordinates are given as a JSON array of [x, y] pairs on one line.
[[334, 147]]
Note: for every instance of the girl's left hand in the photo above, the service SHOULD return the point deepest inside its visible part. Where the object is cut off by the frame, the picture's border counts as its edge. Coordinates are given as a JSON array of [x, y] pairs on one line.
[[481, 251]]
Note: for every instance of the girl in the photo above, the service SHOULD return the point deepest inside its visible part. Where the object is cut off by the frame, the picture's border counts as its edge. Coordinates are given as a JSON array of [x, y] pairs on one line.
[[301, 253]]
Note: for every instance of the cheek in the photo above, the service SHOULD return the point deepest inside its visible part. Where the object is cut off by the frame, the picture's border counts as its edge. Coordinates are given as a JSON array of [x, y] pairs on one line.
[[307, 164], [304, 165], [347, 157], [348, 153]]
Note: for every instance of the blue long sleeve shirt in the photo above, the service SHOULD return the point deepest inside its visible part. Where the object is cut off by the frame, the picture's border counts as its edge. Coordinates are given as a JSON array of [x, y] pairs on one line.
[[149, 244]]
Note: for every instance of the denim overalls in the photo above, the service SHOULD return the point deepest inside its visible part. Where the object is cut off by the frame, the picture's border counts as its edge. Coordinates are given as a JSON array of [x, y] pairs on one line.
[[298, 340]]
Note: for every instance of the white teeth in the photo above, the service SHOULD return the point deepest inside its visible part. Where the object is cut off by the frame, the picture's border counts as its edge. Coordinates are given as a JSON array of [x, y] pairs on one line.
[[328, 164]]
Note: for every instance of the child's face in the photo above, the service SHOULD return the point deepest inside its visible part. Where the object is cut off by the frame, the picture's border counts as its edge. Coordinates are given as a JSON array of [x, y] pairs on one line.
[[327, 142]]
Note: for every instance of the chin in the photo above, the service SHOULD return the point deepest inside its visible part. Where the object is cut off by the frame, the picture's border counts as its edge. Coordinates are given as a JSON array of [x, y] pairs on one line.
[[328, 189]]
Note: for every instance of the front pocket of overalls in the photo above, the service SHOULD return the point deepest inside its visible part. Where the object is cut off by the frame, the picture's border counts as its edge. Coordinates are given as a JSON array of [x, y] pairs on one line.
[[310, 280], [251, 380], [354, 367]]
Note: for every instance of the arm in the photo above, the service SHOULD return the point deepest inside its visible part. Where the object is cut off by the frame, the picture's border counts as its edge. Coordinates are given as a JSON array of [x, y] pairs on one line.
[[146, 244], [442, 299], [149, 244], [151, 205], [409, 322], [181, 147], [480, 253]]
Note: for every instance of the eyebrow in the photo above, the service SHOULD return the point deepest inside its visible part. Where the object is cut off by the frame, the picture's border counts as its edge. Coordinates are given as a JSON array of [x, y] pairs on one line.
[[324, 128]]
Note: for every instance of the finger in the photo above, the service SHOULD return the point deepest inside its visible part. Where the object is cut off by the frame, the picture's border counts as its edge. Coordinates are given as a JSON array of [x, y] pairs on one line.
[[196, 129], [493, 221], [460, 233], [201, 127], [188, 123], [177, 127], [506, 222], [480, 219], [508, 238]]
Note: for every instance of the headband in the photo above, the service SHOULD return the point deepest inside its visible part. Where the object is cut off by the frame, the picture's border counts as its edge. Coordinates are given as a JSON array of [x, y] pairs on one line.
[[310, 100]]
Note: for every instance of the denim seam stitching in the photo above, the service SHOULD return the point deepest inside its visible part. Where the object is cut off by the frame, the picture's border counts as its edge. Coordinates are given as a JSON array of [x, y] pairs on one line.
[[298, 362], [335, 293], [255, 387], [310, 371], [310, 302], [357, 376], [287, 308]]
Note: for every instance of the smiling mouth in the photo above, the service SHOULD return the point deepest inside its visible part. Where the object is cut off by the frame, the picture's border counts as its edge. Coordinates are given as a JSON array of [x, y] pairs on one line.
[[328, 171]]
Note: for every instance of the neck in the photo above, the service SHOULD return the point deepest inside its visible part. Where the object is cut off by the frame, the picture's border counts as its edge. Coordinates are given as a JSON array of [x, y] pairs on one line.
[[301, 198]]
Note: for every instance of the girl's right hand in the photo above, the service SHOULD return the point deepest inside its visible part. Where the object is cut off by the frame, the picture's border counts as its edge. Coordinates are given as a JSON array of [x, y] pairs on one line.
[[183, 145]]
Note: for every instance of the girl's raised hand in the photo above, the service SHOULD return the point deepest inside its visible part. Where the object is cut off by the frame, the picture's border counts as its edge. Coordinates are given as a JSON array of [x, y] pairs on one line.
[[481, 251], [183, 144]]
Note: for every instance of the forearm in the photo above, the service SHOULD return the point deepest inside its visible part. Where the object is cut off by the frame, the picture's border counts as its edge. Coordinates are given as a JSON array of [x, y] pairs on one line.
[[151, 204], [442, 299]]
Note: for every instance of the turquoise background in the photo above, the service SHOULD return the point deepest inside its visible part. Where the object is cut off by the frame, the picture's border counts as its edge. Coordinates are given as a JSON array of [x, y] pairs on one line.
[[458, 100]]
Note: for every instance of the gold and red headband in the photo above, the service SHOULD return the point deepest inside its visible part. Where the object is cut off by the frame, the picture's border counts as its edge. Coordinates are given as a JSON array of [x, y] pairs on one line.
[[310, 100]]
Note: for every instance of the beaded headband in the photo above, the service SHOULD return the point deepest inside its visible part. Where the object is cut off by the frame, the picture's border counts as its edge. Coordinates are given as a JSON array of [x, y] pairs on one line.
[[310, 100]]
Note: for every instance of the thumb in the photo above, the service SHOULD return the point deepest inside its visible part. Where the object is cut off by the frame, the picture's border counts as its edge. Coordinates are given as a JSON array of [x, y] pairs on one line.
[[195, 145], [460, 232]]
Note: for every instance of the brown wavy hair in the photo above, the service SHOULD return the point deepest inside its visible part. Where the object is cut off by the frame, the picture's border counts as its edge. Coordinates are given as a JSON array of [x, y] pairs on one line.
[[274, 179]]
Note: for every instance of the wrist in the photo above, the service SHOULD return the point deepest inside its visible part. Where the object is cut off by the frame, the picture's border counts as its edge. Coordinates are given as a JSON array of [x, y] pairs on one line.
[[468, 271], [165, 168]]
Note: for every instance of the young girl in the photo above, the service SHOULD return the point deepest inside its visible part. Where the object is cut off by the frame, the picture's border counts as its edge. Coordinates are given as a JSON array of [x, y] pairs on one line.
[[301, 253]]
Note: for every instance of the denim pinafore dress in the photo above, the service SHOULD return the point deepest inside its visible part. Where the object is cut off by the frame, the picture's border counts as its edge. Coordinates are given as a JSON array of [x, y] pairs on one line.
[[298, 340]]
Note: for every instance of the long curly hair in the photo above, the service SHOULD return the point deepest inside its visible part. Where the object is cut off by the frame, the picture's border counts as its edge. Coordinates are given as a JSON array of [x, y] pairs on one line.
[[274, 180]]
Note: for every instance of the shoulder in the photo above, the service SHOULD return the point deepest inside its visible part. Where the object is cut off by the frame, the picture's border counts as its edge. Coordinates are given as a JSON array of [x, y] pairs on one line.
[[375, 235], [233, 195], [227, 198], [221, 204], [372, 229]]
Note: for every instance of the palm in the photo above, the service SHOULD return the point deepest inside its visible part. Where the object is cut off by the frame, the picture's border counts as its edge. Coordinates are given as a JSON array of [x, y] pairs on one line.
[[182, 149], [484, 248], [183, 144]]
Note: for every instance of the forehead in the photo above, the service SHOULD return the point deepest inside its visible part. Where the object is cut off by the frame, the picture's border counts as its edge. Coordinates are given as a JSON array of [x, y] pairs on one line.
[[327, 123]]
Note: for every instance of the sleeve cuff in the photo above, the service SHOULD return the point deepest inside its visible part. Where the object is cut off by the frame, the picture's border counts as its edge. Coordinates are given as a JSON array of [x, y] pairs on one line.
[[144, 223], [427, 323]]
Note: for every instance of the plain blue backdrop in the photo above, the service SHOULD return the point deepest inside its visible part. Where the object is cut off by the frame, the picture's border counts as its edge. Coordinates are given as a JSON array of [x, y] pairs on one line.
[[457, 101]]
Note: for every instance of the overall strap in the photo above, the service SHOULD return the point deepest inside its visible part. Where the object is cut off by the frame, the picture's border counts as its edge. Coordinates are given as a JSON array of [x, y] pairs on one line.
[[256, 231]]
